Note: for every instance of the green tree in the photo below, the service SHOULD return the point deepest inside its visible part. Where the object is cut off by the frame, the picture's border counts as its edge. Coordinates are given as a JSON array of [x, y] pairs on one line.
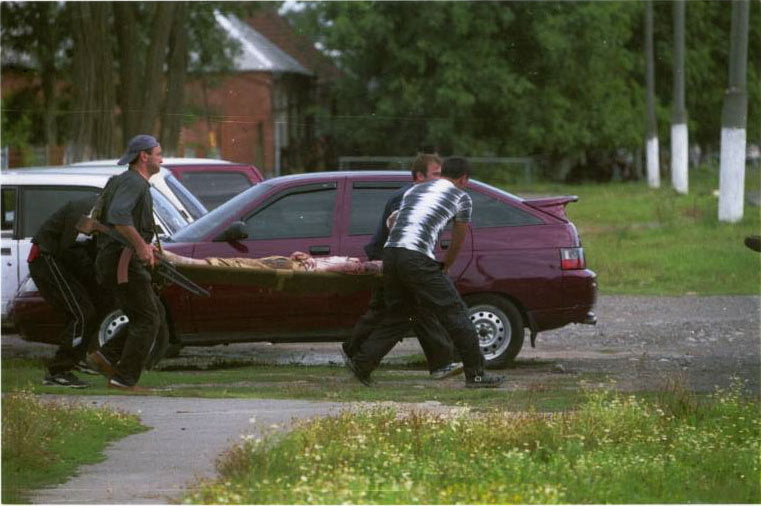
[[564, 81], [123, 65]]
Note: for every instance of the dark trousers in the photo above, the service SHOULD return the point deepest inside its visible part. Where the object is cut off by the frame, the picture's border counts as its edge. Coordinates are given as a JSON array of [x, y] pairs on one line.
[[129, 351], [63, 290], [412, 284], [434, 340]]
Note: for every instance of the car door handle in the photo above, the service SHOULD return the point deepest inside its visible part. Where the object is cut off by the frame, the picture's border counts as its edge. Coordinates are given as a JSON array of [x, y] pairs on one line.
[[6, 252], [319, 250], [445, 243]]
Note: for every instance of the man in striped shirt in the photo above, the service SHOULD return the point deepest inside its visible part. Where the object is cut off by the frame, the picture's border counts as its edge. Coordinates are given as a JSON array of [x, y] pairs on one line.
[[412, 277]]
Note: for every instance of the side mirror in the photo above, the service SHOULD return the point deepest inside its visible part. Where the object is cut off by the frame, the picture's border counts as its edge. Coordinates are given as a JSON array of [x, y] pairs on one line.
[[235, 232]]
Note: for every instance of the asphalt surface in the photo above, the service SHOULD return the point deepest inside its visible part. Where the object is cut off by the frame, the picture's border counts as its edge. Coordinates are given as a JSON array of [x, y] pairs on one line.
[[187, 436]]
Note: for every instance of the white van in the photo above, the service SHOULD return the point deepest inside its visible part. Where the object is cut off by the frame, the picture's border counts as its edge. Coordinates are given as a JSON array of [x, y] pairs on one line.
[[31, 195]]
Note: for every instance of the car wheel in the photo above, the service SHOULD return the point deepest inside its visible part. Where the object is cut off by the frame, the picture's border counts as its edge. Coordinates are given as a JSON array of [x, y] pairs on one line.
[[116, 322], [499, 327], [112, 325]]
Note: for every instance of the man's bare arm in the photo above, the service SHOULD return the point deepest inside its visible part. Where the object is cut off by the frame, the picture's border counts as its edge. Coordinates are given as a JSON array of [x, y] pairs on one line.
[[459, 231]]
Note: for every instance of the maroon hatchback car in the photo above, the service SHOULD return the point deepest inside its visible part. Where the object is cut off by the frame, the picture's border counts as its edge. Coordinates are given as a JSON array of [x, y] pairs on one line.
[[522, 265]]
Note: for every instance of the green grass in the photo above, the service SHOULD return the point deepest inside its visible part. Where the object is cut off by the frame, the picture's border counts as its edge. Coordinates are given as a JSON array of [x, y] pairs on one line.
[[406, 383], [45, 442], [613, 449], [657, 242]]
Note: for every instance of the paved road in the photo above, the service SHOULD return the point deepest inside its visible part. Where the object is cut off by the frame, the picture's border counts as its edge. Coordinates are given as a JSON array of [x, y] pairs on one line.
[[187, 436]]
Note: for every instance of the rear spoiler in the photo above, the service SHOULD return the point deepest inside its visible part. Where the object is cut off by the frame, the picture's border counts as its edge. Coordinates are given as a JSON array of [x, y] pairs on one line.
[[552, 205]]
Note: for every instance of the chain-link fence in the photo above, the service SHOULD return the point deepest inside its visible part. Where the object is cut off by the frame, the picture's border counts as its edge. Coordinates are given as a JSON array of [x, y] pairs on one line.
[[494, 170]]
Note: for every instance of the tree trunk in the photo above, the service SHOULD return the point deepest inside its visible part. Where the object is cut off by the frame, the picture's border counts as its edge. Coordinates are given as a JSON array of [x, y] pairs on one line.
[[651, 142], [93, 129], [171, 121], [679, 132], [46, 49], [130, 69], [105, 89], [153, 84], [733, 120]]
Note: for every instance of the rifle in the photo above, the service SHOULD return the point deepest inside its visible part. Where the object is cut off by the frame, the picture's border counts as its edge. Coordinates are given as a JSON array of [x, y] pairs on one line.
[[88, 225]]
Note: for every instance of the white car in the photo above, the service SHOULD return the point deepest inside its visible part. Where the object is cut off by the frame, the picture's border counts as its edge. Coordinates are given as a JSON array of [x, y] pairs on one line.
[[212, 181], [31, 195], [182, 198]]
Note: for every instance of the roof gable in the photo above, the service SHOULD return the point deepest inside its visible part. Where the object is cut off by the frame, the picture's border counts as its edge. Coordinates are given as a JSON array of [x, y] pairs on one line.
[[257, 52]]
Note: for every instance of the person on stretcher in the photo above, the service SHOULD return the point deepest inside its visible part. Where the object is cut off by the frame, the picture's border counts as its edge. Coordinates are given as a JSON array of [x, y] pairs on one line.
[[298, 261]]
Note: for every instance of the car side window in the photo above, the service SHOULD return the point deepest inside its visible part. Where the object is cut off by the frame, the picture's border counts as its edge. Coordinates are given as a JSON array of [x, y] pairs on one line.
[[215, 187], [367, 202], [9, 211], [490, 212], [38, 203], [295, 214]]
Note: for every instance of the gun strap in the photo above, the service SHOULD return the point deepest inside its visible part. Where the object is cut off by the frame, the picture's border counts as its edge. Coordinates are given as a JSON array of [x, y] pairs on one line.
[[122, 270]]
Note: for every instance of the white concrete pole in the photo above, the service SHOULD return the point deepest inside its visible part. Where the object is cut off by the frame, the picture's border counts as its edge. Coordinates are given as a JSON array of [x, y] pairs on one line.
[[651, 138], [733, 120], [679, 134]]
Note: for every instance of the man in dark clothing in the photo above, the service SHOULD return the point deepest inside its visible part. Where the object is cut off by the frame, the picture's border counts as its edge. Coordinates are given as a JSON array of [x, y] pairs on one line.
[[127, 206], [63, 270], [433, 338], [412, 278]]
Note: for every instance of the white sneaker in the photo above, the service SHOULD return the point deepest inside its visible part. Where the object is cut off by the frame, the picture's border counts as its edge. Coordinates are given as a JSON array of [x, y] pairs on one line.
[[447, 371]]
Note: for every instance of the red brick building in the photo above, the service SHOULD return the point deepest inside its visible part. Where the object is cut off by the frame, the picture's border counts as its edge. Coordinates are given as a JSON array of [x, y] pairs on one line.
[[262, 112]]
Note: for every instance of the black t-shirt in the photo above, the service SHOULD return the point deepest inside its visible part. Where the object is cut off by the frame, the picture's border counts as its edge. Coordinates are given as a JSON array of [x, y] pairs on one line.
[[127, 201], [57, 235], [374, 249]]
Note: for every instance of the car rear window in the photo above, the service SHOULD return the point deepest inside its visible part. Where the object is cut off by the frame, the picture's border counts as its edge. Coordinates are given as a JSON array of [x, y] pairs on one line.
[[215, 187], [491, 212], [367, 202], [37, 204]]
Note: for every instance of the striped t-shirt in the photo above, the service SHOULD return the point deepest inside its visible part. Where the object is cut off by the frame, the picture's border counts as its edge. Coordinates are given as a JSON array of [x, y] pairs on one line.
[[425, 210]]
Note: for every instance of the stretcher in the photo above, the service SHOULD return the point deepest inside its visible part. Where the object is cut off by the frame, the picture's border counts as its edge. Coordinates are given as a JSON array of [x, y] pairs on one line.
[[298, 273]]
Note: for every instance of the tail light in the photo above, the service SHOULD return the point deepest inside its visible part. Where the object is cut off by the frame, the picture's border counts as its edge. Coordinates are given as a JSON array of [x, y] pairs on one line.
[[572, 258]]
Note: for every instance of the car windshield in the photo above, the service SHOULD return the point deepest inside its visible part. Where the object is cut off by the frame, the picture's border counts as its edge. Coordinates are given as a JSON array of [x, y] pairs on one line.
[[191, 203], [170, 217], [233, 208]]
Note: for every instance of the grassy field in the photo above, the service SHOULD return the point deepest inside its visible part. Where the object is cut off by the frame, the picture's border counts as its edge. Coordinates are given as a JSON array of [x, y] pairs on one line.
[[657, 242], [45, 442], [613, 449]]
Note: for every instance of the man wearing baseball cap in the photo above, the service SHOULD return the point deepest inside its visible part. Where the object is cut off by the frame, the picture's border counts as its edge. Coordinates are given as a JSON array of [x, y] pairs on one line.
[[127, 207]]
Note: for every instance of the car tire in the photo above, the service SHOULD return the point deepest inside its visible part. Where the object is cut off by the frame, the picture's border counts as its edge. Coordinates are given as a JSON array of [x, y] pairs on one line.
[[499, 326], [116, 322]]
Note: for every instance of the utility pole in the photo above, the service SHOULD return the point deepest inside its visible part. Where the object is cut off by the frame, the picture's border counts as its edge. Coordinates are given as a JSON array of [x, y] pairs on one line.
[[651, 141], [679, 131], [733, 120]]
